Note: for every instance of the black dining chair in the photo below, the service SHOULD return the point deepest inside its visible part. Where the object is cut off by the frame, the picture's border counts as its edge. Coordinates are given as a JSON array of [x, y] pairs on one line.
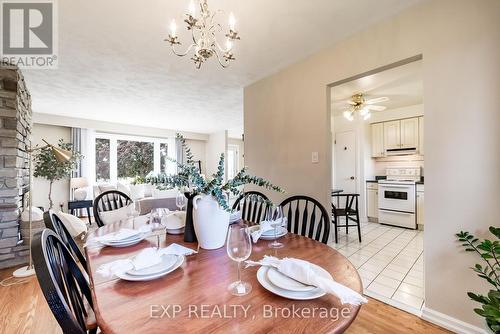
[[109, 201], [350, 211], [63, 284], [253, 205], [55, 223], [307, 217]]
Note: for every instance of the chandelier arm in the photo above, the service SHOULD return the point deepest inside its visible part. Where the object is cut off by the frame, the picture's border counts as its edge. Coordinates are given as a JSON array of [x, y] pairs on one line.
[[225, 64], [185, 53]]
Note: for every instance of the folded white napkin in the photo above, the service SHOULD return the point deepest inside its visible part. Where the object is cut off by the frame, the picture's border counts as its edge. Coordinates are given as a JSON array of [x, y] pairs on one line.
[[123, 233], [303, 272], [267, 225], [146, 258]]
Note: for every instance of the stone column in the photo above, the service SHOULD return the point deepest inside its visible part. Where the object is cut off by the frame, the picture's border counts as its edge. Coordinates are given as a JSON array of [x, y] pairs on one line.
[[15, 137]]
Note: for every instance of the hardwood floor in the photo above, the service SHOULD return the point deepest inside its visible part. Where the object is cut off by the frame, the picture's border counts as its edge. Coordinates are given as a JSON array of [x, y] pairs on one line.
[[23, 309]]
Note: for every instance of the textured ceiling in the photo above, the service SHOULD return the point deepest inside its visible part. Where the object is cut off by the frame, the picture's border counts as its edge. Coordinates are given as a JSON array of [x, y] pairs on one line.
[[114, 65], [403, 86]]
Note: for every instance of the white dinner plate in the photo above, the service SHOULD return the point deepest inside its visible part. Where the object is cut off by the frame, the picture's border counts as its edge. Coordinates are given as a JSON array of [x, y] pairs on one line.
[[167, 261], [285, 282], [125, 243], [280, 230], [295, 295], [127, 277], [175, 230], [281, 233]]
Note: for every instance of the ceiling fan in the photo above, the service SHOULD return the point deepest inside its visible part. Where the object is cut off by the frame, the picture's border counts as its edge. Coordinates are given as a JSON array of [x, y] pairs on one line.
[[358, 104]]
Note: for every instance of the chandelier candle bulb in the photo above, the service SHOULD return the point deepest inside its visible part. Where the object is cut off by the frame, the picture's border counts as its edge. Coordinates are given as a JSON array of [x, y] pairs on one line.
[[192, 8], [173, 28], [232, 21]]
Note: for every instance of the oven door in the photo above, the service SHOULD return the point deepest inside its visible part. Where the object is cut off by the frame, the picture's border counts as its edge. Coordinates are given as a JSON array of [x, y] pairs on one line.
[[396, 197]]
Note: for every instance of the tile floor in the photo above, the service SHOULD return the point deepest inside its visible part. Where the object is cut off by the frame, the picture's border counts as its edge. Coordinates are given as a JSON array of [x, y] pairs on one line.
[[389, 261]]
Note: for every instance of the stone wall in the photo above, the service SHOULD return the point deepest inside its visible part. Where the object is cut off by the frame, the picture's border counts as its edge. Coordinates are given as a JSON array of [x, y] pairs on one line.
[[15, 137]]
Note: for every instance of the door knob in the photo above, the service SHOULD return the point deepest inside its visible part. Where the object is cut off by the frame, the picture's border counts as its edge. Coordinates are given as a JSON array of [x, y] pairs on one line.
[[352, 177]]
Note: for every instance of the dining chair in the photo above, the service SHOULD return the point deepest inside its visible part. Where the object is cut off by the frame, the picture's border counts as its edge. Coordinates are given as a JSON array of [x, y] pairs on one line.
[[350, 211], [109, 201], [63, 284], [53, 222], [253, 206], [307, 217]]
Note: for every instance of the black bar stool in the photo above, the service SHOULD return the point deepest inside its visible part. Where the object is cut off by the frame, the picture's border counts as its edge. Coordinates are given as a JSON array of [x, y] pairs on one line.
[[350, 212]]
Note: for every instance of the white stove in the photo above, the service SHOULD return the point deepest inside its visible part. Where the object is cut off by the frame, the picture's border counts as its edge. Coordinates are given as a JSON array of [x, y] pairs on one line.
[[397, 197]]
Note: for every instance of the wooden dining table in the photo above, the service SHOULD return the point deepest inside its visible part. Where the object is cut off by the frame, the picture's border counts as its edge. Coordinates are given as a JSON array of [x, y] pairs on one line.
[[194, 297]]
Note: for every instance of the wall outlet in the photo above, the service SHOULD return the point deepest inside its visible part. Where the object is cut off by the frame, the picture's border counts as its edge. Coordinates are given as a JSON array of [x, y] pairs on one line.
[[315, 157]]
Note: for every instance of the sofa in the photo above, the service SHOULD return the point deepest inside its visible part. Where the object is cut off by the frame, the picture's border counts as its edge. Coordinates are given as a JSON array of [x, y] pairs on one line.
[[145, 196]]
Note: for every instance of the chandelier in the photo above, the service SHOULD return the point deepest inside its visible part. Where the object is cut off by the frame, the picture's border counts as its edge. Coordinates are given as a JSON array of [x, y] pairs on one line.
[[203, 32]]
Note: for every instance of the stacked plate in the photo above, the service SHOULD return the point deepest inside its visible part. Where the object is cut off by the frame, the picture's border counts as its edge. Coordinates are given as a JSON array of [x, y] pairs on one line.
[[168, 263], [269, 235], [274, 281], [123, 239]]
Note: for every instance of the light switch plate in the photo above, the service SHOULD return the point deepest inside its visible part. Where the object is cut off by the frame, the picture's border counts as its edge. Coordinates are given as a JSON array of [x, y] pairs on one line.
[[315, 157]]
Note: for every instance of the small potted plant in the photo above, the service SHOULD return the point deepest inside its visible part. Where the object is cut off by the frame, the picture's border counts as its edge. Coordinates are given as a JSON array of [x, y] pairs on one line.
[[210, 201], [490, 272]]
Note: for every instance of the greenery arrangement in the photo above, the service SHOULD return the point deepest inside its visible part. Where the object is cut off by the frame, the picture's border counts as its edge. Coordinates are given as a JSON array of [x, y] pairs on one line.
[[48, 167], [189, 176], [489, 271]]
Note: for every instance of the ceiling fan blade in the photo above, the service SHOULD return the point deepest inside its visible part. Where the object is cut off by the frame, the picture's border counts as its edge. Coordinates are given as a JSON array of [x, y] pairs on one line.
[[376, 108], [377, 100]]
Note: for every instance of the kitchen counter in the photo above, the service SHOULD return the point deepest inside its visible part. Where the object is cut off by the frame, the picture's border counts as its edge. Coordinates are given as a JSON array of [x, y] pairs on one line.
[[376, 181]]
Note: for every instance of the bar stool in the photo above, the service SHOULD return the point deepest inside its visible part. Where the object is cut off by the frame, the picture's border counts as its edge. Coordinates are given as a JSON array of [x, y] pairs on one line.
[[350, 212]]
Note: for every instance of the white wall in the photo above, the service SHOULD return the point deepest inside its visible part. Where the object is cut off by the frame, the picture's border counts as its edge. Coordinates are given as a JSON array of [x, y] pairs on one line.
[[198, 150], [60, 189], [215, 146], [287, 117]]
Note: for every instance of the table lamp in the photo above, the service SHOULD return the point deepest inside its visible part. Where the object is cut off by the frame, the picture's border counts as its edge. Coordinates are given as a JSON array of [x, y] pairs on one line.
[[61, 156], [78, 185]]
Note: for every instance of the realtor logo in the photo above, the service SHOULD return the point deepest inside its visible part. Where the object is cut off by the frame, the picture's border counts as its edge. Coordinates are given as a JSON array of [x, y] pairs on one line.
[[28, 37]]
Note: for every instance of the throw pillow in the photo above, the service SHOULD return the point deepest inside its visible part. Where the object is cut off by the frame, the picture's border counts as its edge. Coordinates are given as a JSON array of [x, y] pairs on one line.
[[108, 217]]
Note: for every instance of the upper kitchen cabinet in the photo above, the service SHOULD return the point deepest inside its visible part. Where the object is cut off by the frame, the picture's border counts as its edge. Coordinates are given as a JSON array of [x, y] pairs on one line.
[[378, 140], [409, 133], [392, 135], [421, 135]]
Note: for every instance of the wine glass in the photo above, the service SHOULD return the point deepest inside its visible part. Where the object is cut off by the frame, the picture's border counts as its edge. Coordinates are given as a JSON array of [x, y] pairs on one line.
[[180, 200], [276, 217], [239, 248], [155, 220]]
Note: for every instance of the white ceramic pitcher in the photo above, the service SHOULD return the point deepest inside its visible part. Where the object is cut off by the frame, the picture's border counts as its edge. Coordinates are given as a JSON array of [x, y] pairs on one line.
[[210, 222]]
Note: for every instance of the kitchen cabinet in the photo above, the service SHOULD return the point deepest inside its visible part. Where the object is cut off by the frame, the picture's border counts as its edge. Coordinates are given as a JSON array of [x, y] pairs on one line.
[[420, 204], [409, 133], [421, 135], [378, 140], [372, 201], [392, 135]]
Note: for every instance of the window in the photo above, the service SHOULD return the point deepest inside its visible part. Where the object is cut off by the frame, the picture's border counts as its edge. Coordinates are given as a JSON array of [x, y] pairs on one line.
[[102, 168], [122, 158], [134, 158]]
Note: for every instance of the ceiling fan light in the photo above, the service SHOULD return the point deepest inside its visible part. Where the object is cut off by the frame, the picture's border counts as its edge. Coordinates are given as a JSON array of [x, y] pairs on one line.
[[348, 115], [367, 116], [364, 111]]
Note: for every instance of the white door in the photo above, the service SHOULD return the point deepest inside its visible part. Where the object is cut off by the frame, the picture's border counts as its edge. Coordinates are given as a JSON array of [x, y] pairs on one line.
[[392, 134], [409, 133], [377, 140], [345, 161], [421, 135]]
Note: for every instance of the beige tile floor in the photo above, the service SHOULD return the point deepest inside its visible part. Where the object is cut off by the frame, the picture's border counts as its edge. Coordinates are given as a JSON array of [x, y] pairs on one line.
[[390, 262]]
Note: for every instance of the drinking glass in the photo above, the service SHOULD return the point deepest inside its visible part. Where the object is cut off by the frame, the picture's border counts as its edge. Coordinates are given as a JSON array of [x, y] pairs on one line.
[[239, 248], [180, 200], [276, 216]]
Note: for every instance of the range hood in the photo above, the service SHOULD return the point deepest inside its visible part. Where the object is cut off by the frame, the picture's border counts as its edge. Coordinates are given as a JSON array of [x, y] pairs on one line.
[[401, 151]]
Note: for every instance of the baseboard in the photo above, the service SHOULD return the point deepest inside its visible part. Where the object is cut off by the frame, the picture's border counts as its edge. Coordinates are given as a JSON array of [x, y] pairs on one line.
[[394, 303], [450, 323]]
